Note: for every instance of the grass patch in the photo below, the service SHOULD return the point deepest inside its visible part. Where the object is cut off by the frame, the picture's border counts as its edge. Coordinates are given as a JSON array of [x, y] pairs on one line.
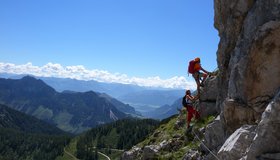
[[63, 121], [43, 113], [71, 148], [166, 131], [204, 122]]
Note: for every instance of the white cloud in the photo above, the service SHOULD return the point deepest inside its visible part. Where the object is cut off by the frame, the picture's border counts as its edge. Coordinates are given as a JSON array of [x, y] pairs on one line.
[[81, 73]]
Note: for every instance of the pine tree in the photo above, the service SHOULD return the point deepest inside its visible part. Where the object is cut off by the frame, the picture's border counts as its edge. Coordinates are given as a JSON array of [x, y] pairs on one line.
[[96, 154]]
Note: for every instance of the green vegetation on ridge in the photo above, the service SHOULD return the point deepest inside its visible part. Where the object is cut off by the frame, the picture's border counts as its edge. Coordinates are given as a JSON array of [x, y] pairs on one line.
[[10, 118], [122, 134], [168, 132], [24, 137]]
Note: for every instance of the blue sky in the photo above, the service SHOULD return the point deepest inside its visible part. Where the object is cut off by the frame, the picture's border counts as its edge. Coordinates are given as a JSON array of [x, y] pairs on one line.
[[138, 38]]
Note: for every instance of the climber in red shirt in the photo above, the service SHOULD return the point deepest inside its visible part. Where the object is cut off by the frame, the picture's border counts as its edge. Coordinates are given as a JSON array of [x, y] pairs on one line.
[[187, 102]]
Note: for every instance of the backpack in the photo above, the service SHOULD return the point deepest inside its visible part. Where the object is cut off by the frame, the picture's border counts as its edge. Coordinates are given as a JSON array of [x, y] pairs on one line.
[[191, 67]]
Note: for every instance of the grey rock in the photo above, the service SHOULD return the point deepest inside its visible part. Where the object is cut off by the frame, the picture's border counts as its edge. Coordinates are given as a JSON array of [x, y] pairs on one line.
[[172, 144], [176, 144], [211, 156], [165, 145], [208, 96], [249, 47], [236, 114], [248, 61], [267, 138], [202, 130], [254, 62], [149, 152], [192, 155], [207, 109], [214, 134], [249, 77], [179, 123], [271, 156], [209, 92], [236, 145], [229, 18], [131, 154]]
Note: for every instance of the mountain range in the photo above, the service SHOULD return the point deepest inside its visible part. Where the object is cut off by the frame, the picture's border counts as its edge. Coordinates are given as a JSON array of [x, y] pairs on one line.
[[164, 111], [143, 99], [70, 111], [61, 84]]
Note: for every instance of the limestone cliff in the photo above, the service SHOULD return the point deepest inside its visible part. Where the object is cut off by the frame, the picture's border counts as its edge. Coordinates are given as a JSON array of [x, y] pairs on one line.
[[248, 58], [249, 64]]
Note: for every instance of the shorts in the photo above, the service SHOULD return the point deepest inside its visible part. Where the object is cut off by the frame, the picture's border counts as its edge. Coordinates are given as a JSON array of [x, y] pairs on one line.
[[197, 75]]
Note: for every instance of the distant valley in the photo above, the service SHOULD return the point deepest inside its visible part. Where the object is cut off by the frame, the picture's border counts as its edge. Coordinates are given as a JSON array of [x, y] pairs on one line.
[[143, 99], [164, 111], [72, 112]]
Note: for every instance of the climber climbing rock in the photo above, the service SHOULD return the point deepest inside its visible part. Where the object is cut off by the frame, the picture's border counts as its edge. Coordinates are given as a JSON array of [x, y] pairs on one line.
[[194, 68], [187, 102]]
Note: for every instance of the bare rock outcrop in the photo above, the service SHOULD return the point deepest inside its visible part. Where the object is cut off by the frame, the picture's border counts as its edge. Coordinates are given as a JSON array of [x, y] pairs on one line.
[[256, 142], [236, 145], [131, 154], [192, 155], [249, 78], [149, 152], [214, 136], [209, 92], [267, 140], [236, 114], [229, 17], [208, 97], [248, 56]]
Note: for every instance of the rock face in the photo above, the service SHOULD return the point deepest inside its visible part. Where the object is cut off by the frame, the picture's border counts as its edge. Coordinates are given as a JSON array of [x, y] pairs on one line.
[[209, 92], [207, 104], [237, 114], [248, 57], [266, 141], [249, 78], [214, 135], [236, 145]]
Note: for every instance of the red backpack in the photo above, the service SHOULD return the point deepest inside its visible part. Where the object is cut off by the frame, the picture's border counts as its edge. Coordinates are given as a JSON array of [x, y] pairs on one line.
[[191, 67]]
